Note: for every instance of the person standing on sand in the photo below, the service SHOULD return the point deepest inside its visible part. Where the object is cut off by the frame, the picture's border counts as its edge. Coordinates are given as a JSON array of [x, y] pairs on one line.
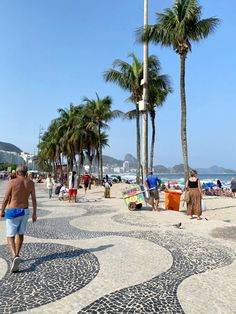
[[17, 212], [152, 183], [195, 194], [233, 186]]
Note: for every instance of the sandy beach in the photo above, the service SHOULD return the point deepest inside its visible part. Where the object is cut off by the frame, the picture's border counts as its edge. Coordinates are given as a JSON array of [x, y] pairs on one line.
[[96, 256]]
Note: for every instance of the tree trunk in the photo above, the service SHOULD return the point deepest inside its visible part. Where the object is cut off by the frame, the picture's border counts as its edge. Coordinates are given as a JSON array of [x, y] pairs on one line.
[[90, 158], [100, 154], [153, 139], [183, 117], [138, 145], [61, 170]]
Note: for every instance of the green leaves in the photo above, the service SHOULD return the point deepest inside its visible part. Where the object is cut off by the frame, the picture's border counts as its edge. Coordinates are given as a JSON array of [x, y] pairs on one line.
[[178, 26]]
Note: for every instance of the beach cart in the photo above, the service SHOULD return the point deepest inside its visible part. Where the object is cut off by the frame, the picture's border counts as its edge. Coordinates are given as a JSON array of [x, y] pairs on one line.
[[133, 197]]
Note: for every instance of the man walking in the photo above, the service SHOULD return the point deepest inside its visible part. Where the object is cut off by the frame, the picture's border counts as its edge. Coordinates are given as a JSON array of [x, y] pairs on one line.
[[87, 180], [17, 212], [152, 183]]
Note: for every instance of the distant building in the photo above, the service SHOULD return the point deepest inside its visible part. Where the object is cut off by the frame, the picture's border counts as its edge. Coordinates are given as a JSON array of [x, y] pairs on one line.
[[126, 166], [10, 157], [28, 160], [10, 153]]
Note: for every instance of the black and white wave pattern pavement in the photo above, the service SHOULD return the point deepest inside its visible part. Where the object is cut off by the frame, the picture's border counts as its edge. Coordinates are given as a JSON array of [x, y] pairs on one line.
[[48, 273], [191, 255]]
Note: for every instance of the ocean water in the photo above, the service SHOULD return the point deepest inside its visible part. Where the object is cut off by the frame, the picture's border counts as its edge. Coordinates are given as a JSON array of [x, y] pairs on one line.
[[226, 178], [179, 178]]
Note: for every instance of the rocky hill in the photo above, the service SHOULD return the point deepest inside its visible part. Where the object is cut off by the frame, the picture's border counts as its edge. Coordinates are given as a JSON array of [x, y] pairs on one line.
[[9, 147], [107, 160], [162, 169]]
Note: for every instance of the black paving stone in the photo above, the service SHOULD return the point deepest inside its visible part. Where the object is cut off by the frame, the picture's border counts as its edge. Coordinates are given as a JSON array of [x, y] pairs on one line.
[[47, 273], [191, 255]]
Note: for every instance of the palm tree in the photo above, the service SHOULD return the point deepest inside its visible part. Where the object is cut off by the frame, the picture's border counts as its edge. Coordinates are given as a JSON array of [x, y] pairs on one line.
[[177, 27], [128, 77], [70, 134], [159, 88], [100, 112]]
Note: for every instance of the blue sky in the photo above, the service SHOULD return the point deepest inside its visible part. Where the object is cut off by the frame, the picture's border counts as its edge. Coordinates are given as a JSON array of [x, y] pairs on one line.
[[55, 52]]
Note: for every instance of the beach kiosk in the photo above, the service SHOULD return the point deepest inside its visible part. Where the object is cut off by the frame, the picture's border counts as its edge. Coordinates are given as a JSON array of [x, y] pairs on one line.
[[133, 197]]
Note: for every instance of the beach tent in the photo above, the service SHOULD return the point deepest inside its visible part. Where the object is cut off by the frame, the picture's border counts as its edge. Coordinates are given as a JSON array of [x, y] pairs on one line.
[[210, 184]]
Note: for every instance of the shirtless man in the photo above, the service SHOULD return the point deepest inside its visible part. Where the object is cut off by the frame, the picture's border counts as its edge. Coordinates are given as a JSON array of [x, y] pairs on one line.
[[17, 202]]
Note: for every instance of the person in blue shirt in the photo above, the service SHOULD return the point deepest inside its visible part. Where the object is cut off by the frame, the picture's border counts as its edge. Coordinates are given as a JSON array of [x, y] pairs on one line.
[[152, 183]]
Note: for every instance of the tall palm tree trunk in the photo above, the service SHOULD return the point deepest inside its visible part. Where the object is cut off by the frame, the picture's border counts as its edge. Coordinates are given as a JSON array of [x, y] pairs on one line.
[[152, 140], [98, 163], [138, 145], [183, 116], [100, 153], [61, 170], [90, 158]]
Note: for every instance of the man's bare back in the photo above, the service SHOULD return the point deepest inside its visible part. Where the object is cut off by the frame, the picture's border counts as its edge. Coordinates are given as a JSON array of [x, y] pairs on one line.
[[17, 196], [18, 192]]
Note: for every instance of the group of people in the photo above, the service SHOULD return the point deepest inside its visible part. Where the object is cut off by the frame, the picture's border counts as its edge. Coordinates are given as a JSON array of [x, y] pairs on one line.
[[70, 188], [193, 186], [15, 206], [220, 189]]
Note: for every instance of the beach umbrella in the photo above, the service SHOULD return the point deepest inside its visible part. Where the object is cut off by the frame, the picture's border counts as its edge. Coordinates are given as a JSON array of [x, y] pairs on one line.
[[210, 184], [113, 176]]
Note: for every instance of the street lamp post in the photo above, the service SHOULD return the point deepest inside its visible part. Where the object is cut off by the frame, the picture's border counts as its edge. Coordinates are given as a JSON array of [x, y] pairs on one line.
[[145, 99], [41, 129]]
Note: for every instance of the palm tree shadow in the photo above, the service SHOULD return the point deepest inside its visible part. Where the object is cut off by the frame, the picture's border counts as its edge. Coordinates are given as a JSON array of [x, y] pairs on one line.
[[100, 248], [62, 255], [47, 258]]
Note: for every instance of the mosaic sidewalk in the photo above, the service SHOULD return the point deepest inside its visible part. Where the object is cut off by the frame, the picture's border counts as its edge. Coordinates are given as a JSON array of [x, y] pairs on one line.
[[96, 257]]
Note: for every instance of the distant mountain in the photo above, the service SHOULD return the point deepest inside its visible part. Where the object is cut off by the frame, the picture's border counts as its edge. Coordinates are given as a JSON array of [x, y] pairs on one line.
[[162, 169], [131, 159], [215, 169], [107, 160], [9, 147]]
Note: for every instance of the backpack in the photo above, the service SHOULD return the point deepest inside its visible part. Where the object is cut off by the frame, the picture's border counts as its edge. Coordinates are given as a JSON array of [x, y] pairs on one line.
[[57, 189]]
